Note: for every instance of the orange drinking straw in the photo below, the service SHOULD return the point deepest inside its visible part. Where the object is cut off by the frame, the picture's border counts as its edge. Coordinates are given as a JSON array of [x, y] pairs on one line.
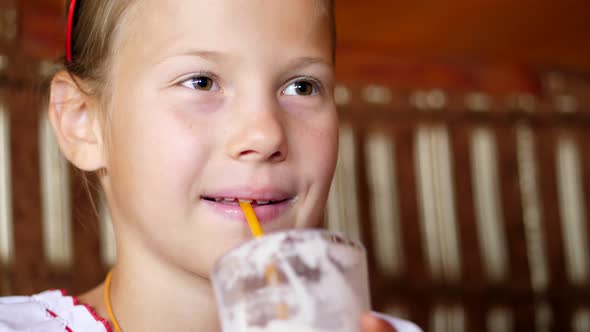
[[252, 219], [271, 273]]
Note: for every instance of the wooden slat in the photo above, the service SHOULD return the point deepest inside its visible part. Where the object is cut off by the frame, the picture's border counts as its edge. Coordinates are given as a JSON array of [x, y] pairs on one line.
[[583, 137], [544, 317], [360, 184], [55, 199], [343, 209], [447, 318], [383, 201], [499, 319], [576, 249], [532, 207], [488, 210], [545, 150], [434, 159], [515, 232], [581, 320], [6, 222]]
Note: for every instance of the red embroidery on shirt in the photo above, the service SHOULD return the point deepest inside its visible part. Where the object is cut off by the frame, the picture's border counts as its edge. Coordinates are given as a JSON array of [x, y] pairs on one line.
[[54, 315], [93, 313], [104, 322], [51, 313]]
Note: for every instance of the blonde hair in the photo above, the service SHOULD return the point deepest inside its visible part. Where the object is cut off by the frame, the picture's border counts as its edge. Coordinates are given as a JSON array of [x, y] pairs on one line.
[[92, 42]]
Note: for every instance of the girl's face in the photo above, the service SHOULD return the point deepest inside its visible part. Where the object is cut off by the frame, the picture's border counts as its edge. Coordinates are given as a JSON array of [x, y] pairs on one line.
[[212, 101]]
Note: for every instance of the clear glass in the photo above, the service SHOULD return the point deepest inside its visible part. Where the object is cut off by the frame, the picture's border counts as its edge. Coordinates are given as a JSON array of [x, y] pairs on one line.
[[299, 280]]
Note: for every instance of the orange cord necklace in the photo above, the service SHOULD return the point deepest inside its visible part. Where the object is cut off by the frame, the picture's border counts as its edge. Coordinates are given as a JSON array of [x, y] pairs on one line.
[[107, 302]]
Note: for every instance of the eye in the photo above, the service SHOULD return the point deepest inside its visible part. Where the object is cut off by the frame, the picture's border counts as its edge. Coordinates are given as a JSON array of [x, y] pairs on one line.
[[301, 88], [200, 82]]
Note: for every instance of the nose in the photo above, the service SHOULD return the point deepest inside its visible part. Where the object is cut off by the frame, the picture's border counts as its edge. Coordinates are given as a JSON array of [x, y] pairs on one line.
[[258, 136]]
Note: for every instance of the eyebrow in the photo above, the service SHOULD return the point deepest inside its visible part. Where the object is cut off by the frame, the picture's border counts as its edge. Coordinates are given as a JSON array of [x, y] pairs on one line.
[[306, 61], [205, 54], [295, 64]]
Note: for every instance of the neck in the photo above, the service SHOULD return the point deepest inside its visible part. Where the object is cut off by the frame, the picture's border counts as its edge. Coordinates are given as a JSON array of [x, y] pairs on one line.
[[149, 294], [148, 297]]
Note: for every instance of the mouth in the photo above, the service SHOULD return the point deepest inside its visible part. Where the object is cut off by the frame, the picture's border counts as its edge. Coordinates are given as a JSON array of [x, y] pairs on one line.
[[236, 201], [268, 206]]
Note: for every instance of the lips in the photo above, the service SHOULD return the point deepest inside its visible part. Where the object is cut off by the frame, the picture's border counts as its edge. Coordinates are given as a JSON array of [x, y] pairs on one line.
[[235, 201], [268, 204]]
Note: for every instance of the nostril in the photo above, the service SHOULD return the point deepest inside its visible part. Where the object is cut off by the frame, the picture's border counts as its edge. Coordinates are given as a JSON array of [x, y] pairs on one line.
[[254, 154], [276, 155]]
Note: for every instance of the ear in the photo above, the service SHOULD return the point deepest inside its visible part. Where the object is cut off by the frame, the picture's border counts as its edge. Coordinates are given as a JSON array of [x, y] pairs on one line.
[[74, 117]]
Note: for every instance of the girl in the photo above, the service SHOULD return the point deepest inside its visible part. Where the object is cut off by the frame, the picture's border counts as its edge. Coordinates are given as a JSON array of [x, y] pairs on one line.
[[181, 108]]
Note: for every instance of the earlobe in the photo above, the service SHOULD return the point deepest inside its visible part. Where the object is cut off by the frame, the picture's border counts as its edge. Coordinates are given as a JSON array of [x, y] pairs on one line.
[[74, 117]]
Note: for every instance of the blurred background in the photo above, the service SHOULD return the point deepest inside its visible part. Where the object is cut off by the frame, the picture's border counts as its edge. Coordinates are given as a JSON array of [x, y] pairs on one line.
[[464, 163]]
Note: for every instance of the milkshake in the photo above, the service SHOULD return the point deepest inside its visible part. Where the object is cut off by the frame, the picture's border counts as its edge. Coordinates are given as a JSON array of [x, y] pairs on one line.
[[298, 280]]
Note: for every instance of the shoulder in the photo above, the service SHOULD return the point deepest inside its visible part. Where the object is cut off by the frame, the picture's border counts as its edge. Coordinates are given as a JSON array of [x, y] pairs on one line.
[[399, 324], [50, 311]]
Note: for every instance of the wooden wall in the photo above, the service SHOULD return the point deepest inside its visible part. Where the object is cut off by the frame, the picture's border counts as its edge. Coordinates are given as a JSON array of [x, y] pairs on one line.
[[538, 33], [528, 32]]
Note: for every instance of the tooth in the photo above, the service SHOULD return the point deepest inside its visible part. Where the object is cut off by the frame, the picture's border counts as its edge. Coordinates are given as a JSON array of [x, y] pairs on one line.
[[218, 199], [245, 200], [229, 199], [263, 202]]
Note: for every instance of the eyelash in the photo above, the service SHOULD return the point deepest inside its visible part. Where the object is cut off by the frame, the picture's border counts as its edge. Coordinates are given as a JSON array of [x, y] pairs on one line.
[[317, 84], [196, 75]]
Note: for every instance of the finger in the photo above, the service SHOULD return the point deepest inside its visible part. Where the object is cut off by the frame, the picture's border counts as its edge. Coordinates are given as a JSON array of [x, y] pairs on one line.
[[370, 323]]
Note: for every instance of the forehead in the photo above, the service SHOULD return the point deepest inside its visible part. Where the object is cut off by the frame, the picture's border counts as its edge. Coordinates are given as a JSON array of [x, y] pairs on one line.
[[241, 28]]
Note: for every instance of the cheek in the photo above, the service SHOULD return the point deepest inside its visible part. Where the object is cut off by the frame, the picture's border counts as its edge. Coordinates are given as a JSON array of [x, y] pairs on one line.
[[315, 151], [158, 152], [315, 143]]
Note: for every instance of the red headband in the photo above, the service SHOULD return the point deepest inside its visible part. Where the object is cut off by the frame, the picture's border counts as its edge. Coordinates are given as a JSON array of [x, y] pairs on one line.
[[69, 30]]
